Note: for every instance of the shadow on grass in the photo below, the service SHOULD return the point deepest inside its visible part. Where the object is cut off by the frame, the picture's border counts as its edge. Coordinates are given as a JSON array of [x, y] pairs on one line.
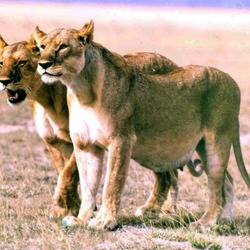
[[238, 226], [180, 220]]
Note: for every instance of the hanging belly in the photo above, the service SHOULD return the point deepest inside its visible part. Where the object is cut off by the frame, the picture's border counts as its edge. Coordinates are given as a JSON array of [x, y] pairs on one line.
[[164, 153]]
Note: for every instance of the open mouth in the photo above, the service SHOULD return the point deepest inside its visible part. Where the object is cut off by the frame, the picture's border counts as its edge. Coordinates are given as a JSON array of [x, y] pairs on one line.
[[15, 97]]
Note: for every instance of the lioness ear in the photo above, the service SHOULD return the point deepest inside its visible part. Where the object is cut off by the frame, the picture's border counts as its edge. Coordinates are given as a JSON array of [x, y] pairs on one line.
[[86, 34], [2, 43], [36, 37]]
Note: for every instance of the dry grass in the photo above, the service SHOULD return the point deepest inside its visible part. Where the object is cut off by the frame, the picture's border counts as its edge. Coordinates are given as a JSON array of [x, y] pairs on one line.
[[27, 177]]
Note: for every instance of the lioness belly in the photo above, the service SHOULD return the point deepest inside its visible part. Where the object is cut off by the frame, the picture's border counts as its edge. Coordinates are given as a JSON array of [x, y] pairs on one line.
[[164, 153]]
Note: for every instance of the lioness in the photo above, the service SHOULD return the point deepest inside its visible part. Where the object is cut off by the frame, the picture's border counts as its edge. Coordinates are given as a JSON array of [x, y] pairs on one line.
[[157, 120], [18, 64]]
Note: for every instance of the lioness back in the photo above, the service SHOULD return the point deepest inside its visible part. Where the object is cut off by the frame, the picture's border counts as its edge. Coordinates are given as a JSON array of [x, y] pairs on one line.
[[150, 63], [184, 97]]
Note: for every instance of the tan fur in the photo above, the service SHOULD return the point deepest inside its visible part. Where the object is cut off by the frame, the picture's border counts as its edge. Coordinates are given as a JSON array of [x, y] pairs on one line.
[[51, 114], [157, 120]]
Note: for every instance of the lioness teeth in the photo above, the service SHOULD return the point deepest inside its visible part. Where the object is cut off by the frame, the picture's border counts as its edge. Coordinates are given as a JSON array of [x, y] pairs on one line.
[[15, 96]]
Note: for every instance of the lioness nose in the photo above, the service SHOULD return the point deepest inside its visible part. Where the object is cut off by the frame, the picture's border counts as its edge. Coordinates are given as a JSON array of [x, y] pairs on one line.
[[45, 64], [5, 81]]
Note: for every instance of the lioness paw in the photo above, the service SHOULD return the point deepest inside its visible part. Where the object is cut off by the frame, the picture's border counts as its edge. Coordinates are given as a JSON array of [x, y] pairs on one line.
[[60, 212], [104, 220], [70, 221], [201, 228], [141, 211], [57, 212], [107, 224]]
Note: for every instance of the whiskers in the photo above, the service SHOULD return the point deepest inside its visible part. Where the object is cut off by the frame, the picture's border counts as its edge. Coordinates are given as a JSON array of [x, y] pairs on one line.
[[28, 90], [37, 74]]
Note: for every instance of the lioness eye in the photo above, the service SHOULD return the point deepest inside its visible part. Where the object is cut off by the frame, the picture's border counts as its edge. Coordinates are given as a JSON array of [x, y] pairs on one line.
[[36, 49], [22, 63], [42, 46], [63, 46]]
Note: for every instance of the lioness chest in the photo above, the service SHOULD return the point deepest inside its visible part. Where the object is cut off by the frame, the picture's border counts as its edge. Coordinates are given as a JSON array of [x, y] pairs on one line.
[[86, 127]]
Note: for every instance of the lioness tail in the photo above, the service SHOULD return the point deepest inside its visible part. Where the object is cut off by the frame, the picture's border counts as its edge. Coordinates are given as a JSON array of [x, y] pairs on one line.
[[239, 159]]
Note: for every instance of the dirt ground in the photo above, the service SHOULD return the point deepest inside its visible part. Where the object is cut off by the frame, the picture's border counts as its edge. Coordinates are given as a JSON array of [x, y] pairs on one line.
[[218, 38]]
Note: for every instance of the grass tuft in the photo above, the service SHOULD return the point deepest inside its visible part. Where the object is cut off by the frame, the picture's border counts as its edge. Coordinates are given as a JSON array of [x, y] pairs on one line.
[[203, 242], [239, 226]]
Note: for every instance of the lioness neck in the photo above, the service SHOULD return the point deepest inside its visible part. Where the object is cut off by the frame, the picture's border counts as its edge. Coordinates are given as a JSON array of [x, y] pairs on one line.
[[100, 69], [53, 99]]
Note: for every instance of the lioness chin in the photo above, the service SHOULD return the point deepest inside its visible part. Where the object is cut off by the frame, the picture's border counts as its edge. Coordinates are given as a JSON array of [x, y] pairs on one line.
[[157, 120], [51, 115]]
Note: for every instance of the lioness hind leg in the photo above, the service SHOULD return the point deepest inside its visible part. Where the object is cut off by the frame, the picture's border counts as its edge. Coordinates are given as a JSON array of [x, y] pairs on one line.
[[170, 205], [66, 198], [158, 195], [228, 189], [228, 196], [217, 155]]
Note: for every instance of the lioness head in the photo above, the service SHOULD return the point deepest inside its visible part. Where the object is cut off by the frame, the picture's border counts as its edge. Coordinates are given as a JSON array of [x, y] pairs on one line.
[[18, 63], [63, 52]]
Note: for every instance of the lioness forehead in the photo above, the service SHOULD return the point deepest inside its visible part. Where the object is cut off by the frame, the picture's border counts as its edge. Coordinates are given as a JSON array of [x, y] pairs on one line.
[[15, 51], [59, 35]]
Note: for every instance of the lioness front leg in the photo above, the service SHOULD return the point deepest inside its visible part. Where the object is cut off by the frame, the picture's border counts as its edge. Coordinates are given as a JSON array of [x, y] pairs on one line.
[[66, 200], [89, 162], [228, 188], [118, 161]]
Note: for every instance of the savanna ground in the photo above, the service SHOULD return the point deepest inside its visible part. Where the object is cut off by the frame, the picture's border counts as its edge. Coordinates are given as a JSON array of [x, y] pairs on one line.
[[219, 38]]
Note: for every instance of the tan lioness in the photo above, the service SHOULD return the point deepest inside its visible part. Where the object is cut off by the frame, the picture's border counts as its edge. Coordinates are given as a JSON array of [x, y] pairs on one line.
[[18, 63], [48, 102], [157, 120]]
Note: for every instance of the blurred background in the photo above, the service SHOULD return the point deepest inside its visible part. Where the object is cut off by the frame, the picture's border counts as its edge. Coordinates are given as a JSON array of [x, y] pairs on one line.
[[214, 33]]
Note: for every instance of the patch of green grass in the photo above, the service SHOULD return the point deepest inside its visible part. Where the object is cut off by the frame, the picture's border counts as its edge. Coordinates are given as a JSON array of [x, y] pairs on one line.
[[203, 242], [180, 220], [239, 226]]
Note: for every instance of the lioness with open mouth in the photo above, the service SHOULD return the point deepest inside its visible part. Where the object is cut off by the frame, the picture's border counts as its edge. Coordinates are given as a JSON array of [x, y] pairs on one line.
[[18, 63], [157, 120]]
